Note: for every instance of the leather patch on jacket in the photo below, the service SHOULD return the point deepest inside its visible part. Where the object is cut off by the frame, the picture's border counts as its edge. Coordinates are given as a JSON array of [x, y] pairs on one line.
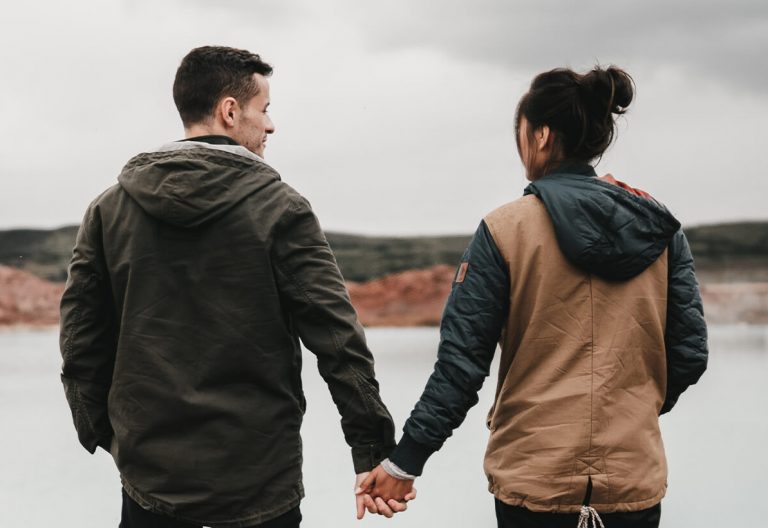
[[462, 272]]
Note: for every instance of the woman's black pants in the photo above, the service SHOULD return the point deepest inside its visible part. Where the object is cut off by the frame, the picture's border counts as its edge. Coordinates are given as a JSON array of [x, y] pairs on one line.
[[516, 517]]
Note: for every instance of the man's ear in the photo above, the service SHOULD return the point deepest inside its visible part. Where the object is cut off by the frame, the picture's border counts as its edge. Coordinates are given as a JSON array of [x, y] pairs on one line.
[[226, 111]]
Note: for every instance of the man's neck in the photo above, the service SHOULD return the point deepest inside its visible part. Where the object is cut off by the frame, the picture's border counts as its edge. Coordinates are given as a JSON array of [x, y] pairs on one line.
[[213, 139], [208, 134], [198, 130]]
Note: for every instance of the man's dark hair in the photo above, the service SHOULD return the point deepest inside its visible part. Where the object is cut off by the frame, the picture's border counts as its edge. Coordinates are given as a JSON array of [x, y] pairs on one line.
[[209, 73]]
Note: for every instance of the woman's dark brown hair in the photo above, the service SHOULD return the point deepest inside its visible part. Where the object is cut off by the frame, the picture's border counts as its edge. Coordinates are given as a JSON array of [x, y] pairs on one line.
[[579, 110]]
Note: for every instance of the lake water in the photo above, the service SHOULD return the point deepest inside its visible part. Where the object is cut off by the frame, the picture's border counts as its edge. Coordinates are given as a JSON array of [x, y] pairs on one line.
[[715, 438]]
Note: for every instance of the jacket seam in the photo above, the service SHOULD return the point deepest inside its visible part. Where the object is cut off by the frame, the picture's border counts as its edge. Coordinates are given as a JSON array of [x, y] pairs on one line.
[[591, 367], [300, 286], [77, 318], [334, 337]]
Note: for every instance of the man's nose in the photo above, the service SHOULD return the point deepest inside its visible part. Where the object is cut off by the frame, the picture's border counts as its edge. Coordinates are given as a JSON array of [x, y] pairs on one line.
[[270, 128]]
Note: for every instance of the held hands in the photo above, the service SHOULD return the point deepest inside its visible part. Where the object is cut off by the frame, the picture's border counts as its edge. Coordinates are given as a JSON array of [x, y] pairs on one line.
[[381, 493]]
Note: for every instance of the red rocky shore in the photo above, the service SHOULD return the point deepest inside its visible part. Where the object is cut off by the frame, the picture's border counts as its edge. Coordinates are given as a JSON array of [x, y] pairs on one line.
[[27, 300], [416, 298], [410, 298]]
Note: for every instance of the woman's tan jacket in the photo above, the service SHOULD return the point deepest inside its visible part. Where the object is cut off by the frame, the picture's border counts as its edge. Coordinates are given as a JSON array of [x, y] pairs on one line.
[[582, 377], [588, 287]]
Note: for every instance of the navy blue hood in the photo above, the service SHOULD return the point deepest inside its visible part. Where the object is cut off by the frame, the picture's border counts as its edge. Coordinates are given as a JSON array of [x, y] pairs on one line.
[[603, 228]]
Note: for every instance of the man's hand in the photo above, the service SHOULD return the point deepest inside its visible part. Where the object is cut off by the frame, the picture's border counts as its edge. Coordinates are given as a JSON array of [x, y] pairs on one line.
[[378, 505], [382, 493]]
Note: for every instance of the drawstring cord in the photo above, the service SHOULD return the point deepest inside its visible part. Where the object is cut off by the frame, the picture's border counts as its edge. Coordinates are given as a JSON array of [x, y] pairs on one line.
[[587, 513]]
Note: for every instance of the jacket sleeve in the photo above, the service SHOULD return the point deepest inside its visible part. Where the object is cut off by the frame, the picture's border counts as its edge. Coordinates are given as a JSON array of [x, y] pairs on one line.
[[88, 336], [316, 297], [469, 332], [686, 332]]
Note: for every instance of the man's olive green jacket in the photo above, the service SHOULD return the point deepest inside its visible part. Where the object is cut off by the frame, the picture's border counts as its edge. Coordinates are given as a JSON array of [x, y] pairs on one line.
[[191, 283]]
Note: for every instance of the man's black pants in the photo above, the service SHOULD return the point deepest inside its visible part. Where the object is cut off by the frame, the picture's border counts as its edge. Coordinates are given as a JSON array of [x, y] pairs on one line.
[[515, 517], [134, 516]]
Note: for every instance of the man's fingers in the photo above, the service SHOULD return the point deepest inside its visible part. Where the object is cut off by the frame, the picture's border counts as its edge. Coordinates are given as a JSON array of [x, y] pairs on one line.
[[370, 504], [411, 495], [360, 507], [384, 510], [397, 506], [367, 482]]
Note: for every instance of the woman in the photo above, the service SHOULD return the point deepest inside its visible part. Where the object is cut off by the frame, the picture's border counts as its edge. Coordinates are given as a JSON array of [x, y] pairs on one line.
[[588, 286]]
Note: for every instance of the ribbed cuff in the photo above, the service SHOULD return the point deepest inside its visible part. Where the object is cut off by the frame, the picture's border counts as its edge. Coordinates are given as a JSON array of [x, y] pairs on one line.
[[410, 456], [393, 470], [366, 458]]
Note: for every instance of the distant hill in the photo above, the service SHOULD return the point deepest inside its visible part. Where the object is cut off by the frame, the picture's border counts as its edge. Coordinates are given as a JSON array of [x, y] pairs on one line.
[[736, 252], [46, 253], [723, 252], [363, 258], [723, 241]]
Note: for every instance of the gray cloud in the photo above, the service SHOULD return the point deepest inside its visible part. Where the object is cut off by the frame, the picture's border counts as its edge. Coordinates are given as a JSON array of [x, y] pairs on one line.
[[391, 117], [724, 41], [720, 41]]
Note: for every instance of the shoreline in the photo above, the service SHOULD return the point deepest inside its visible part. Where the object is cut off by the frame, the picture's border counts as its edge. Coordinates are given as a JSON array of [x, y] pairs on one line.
[[408, 299]]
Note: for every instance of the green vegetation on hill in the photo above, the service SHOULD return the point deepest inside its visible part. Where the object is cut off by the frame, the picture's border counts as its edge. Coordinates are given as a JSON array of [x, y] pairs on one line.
[[735, 252], [363, 258], [726, 241], [741, 249], [46, 253]]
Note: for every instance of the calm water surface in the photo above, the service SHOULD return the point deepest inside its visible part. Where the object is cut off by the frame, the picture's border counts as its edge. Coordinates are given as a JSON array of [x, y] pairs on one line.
[[715, 438]]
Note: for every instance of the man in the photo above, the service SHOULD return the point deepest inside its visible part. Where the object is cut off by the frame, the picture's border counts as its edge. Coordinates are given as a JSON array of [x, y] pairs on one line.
[[191, 282]]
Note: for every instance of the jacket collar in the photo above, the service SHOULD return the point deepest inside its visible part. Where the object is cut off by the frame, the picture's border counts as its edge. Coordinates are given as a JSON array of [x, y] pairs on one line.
[[194, 144], [572, 167], [213, 139]]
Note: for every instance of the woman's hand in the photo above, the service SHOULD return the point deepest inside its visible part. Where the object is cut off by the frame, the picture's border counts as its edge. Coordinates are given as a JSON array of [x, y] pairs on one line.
[[381, 493]]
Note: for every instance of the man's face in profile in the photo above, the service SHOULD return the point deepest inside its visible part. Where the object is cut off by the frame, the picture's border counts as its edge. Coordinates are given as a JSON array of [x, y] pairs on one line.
[[254, 124]]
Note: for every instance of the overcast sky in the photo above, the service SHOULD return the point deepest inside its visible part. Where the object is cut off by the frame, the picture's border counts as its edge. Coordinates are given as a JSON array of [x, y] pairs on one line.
[[392, 117]]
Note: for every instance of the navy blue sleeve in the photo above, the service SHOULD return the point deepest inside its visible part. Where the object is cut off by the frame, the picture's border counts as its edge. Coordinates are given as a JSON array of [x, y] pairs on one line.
[[469, 332], [686, 332]]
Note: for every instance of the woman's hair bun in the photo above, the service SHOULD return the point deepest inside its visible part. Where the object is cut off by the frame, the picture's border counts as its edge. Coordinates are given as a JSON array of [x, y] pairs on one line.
[[610, 89], [580, 108]]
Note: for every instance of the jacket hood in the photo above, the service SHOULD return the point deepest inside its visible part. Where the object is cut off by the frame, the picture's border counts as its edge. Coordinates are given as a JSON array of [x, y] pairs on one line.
[[187, 184], [602, 226]]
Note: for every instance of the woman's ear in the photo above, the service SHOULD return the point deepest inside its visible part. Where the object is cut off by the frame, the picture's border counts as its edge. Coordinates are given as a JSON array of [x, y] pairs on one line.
[[543, 136]]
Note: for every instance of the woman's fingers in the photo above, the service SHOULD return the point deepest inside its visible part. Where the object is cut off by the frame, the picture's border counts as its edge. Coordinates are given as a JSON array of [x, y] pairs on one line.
[[397, 506], [384, 510], [370, 504]]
